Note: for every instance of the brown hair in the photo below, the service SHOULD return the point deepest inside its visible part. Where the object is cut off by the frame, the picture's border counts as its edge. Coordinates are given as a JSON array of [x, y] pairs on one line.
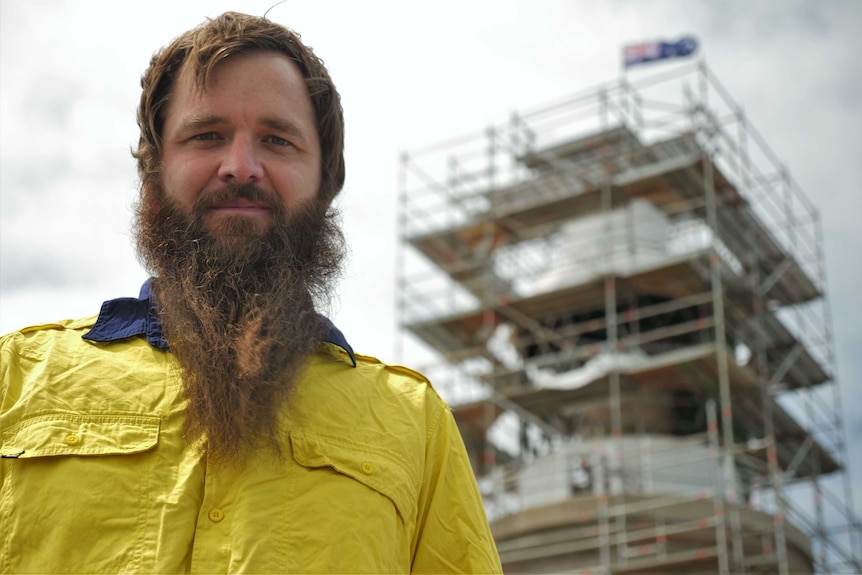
[[203, 48]]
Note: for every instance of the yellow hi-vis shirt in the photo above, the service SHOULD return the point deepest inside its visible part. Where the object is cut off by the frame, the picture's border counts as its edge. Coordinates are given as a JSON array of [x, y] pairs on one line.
[[95, 475]]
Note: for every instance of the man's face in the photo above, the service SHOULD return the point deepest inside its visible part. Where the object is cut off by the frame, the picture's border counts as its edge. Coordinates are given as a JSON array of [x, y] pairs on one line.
[[253, 124]]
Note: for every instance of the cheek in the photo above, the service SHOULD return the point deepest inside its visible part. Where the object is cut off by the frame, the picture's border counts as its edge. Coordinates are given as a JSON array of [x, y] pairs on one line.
[[299, 187], [183, 180]]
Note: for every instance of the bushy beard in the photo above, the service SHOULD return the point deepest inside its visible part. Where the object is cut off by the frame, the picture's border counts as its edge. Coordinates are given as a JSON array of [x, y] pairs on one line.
[[237, 306]]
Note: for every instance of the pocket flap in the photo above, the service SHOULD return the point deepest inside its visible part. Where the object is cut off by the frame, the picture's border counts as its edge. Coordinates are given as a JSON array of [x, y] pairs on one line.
[[52, 434], [372, 466]]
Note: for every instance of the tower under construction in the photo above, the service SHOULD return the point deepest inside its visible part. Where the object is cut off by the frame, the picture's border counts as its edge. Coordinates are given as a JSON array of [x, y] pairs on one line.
[[622, 295]]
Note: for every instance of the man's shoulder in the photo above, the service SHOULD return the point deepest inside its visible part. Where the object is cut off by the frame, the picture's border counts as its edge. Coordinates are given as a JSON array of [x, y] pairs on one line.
[[43, 354], [403, 374], [50, 330], [373, 371], [371, 382], [50, 367]]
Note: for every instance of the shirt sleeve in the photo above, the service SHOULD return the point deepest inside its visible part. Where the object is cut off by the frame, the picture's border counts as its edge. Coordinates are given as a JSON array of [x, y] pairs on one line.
[[452, 534]]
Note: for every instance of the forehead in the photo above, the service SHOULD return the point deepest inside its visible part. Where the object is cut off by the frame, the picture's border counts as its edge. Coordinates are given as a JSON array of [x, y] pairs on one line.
[[260, 78], [202, 77], [204, 65]]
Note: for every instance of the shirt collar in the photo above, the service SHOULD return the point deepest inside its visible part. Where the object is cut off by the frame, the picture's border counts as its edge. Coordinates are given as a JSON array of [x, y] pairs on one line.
[[128, 317]]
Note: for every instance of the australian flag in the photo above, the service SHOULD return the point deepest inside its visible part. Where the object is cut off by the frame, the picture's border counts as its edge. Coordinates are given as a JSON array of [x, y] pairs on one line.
[[652, 51]]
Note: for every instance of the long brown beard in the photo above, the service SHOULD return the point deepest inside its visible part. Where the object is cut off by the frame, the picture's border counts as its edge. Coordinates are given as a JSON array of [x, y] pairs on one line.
[[238, 308]]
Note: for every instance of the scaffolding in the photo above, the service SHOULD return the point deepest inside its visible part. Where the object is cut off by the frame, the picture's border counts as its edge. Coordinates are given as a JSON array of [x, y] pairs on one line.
[[623, 296]]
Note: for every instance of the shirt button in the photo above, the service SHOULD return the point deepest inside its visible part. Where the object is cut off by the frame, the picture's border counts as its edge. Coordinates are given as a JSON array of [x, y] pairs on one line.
[[367, 468], [216, 515], [72, 439]]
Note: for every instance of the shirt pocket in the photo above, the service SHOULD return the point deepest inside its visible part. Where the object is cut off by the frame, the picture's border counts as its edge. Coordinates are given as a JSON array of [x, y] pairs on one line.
[[355, 498], [375, 467], [54, 434], [74, 491]]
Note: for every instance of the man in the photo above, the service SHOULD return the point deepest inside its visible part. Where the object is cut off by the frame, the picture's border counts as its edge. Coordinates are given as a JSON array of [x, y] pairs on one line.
[[218, 423]]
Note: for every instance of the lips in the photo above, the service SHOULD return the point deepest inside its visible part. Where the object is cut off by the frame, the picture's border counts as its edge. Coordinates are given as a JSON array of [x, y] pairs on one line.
[[236, 200], [239, 206]]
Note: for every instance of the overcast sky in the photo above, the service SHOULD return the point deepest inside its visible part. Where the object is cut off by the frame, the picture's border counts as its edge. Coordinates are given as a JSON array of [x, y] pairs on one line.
[[410, 74]]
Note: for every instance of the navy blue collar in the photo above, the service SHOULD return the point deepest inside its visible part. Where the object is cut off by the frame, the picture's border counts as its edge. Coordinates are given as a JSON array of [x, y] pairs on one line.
[[129, 317]]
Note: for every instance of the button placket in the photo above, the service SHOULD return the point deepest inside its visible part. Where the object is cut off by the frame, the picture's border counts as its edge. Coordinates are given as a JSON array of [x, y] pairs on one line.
[[212, 532]]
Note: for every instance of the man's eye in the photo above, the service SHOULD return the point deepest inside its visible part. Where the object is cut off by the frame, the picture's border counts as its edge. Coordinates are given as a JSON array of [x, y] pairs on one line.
[[207, 136], [277, 141]]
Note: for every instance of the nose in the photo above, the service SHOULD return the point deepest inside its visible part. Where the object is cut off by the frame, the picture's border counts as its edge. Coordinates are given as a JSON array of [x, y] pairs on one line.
[[240, 163]]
